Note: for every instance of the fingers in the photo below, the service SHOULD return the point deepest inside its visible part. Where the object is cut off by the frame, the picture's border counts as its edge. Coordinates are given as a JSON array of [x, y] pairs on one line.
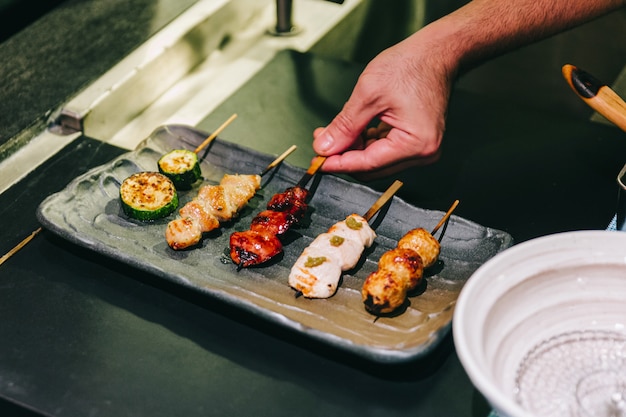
[[344, 131], [409, 97], [395, 168], [381, 158]]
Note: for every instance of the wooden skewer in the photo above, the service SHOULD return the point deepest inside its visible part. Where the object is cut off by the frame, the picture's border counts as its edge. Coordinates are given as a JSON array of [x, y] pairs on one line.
[[214, 134], [19, 246], [279, 159], [382, 200], [316, 164], [445, 217]]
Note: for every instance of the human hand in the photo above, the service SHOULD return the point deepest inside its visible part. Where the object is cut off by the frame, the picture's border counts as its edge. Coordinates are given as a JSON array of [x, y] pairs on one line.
[[407, 88]]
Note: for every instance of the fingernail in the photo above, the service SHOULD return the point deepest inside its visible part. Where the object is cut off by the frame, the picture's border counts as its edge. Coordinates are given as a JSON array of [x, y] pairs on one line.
[[325, 142]]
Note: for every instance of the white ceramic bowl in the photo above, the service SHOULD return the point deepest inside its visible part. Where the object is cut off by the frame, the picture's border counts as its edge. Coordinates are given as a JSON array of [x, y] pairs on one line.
[[541, 328]]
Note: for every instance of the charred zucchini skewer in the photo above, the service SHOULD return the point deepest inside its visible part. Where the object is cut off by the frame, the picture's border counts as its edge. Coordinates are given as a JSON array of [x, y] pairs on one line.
[[182, 166], [148, 196]]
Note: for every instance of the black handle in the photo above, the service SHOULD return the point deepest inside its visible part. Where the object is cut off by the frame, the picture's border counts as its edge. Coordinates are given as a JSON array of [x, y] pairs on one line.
[[584, 83]]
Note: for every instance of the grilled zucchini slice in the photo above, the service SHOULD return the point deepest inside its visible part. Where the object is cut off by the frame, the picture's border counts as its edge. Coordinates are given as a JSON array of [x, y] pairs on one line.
[[148, 196], [181, 166]]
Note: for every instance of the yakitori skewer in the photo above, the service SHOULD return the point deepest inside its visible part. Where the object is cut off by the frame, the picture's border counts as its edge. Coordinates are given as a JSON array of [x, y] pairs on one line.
[[182, 166], [215, 204], [400, 270], [19, 246], [261, 242], [316, 273]]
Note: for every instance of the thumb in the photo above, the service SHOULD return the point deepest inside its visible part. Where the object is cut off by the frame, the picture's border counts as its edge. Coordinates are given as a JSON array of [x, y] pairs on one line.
[[344, 130]]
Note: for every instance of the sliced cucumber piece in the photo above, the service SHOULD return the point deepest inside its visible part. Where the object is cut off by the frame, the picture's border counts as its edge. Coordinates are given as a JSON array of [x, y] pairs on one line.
[[182, 167], [148, 196]]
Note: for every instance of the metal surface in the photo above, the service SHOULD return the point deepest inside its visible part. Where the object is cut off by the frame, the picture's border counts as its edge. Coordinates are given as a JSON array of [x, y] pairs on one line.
[[284, 25], [284, 19]]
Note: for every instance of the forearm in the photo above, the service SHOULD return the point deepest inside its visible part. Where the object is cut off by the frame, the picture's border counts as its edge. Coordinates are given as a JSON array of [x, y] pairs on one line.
[[407, 86], [486, 28]]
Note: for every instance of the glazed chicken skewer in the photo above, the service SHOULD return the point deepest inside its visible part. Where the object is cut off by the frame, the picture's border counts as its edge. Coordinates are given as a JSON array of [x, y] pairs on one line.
[[285, 210], [316, 273], [400, 270], [214, 205]]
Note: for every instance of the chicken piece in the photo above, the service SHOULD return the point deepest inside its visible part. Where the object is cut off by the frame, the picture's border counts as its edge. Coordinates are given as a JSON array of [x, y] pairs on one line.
[[183, 233], [239, 189], [422, 242], [274, 222], [213, 200], [316, 273], [196, 211], [400, 270], [261, 243], [345, 252], [292, 193], [357, 228], [252, 247], [226, 199], [345, 241], [292, 200], [212, 205]]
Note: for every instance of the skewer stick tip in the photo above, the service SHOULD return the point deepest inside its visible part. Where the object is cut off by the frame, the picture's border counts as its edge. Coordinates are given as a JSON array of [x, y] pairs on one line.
[[382, 200], [316, 164], [279, 159], [20, 245], [445, 217], [213, 135]]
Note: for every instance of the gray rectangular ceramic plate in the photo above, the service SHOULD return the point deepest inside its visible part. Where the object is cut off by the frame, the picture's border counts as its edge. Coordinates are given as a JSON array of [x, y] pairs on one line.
[[88, 213]]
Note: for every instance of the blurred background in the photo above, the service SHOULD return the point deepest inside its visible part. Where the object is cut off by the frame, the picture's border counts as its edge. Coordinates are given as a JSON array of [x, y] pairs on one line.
[[51, 49]]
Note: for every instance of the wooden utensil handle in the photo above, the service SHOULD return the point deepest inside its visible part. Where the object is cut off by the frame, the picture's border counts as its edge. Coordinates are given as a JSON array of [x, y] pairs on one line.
[[597, 95]]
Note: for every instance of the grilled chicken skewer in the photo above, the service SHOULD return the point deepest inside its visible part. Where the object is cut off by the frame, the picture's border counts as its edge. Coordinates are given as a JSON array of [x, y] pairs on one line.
[[213, 205], [400, 270], [261, 242], [316, 273]]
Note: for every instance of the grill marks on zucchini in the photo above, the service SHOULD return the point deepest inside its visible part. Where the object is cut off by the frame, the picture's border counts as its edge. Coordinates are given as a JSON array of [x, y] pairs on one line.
[[148, 196], [181, 166]]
